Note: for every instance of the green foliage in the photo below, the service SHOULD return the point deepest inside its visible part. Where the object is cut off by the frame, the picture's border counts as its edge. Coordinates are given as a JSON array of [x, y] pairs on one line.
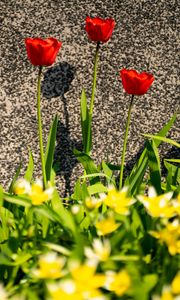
[[49, 155], [85, 119], [29, 172], [154, 166]]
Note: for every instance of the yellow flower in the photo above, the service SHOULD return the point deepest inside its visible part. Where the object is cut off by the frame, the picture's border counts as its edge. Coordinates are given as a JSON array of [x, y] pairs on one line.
[[65, 290], [86, 280], [175, 285], [101, 250], [22, 186], [166, 294], [38, 195], [85, 277], [158, 206], [170, 235], [93, 295], [118, 200], [93, 203], [119, 283], [35, 191], [106, 226], [50, 266]]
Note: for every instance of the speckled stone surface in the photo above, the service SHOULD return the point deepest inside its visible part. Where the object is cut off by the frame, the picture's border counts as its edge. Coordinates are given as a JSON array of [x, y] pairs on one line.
[[145, 38]]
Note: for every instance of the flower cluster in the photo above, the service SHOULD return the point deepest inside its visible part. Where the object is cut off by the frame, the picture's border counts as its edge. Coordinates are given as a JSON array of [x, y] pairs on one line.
[[117, 200], [159, 206], [86, 283], [35, 192], [80, 280], [50, 266], [165, 208], [170, 235]]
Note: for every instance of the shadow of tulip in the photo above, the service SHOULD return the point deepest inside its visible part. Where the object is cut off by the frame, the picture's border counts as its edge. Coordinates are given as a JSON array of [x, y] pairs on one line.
[[56, 83]]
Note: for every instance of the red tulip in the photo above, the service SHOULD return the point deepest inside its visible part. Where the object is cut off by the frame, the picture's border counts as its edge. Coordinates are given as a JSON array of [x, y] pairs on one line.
[[42, 52], [135, 83], [99, 30]]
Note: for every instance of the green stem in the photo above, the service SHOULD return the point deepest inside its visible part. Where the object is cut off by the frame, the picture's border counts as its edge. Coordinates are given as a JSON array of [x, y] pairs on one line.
[[88, 146], [40, 126], [125, 143]]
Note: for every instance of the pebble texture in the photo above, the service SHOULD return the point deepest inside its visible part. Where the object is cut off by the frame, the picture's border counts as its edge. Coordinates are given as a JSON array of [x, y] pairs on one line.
[[145, 38]]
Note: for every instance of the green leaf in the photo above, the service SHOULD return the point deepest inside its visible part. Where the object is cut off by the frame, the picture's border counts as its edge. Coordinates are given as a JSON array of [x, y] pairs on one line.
[[88, 164], [77, 191], [110, 180], [86, 161], [162, 139], [30, 168], [85, 120], [177, 191], [174, 160], [1, 196], [6, 217], [138, 171], [64, 216], [109, 173], [150, 281], [114, 167], [47, 212], [125, 257], [49, 155], [17, 200], [20, 259], [141, 286], [174, 170], [154, 166], [84, 191], [137, 174], [10, 190], [58, 248], [165, 129], [97, 188], [137, 225]]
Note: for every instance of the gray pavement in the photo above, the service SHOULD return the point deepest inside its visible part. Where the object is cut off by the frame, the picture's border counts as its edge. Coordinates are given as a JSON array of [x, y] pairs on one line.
[[146, 38]]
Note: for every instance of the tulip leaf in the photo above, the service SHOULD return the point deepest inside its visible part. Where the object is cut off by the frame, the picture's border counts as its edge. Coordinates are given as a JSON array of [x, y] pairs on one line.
[[109, 174], [86, 161], [30, 168], [162, 139], [88, 164], [154, 165], [174, 160], [85, 120], [138, 171], [174, 170], [49, 155], [1, 196]]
